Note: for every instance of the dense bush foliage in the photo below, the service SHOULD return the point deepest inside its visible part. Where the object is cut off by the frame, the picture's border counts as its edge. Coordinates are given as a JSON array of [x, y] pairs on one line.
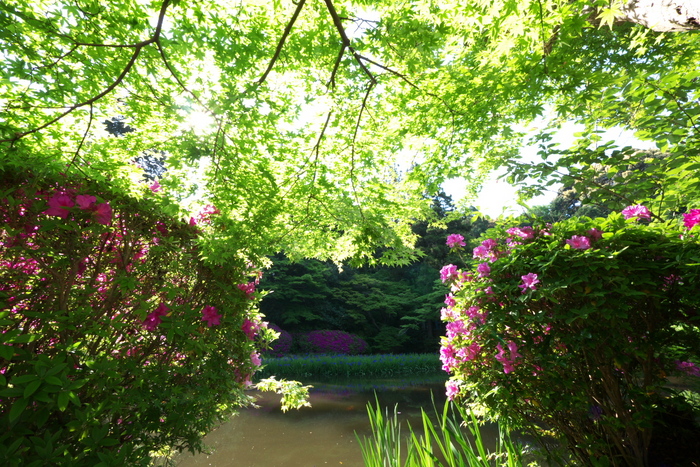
[[118, 340], [576, 327]]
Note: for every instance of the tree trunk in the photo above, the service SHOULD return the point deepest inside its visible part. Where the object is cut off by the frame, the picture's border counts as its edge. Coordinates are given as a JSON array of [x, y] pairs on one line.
[[663, 15]]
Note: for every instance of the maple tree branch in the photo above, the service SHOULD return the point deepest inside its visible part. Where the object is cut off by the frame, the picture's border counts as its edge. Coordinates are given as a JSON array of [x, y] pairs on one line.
[[337, 21], [129, 65], [280, 43]]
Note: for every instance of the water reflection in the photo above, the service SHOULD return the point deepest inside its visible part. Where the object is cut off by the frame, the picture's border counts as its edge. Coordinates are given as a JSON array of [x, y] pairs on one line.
[[320, 435]]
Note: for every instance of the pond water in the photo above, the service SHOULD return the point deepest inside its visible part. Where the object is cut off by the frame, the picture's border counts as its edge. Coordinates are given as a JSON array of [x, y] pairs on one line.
[[320, 435]]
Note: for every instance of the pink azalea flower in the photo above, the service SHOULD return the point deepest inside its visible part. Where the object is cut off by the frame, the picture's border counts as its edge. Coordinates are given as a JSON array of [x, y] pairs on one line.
[[250, 328], [508, 362], [526, 233], [155, 187], [451, 389], [59, 204], [483, 269], [85, 202], [255, 359], [248, 289], [480, 252], [579, 242], [473, 311], [688, 367], [637, 211], [103, 213], [595, 234], [210, 315], [530, 281], [448, 272], [450, 300], [489, 243], [691, 219], [456, 328], [455, 240], [193, 222], [447, 357], [153, 319], [448, 314]]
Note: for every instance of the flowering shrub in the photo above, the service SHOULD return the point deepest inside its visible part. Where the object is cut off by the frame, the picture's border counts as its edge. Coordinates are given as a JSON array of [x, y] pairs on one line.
[[282, 345], [334, 342], [117, 339], [574, 327]]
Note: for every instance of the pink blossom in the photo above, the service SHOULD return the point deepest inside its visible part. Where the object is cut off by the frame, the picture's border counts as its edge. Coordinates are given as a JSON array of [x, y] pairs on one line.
[[579, 242], [455, 240], [450, 300], [480, 252], [489, 243], [530, 281], [448, 272], [456, 328], [483, 269], [59, 204], [193, 222], [508, 362], [688, 367], [448, 314], [103, 213], [85, 202], [153, 319], [595, 234], [211, 316], [691, 219], [250, 328], [248, 289], [469, 353], [155, 187], [637, 211], [526, 233], [447, 357], [451, 389], [473, 311], [255, 359]]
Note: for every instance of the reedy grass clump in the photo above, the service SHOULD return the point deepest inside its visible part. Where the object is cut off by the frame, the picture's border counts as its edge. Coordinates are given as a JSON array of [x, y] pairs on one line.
[[305, 366], [444, 443]]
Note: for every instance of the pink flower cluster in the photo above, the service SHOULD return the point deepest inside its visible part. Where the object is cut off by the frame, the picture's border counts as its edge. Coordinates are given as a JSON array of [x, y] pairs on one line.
[[508, 361], [455, 240], [209, 315], [248, 289], [691, 219], [60, 205], [636, 212]]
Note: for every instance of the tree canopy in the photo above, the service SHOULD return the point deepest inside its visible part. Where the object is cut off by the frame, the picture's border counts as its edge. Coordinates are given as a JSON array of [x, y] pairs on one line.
[[319, 127]]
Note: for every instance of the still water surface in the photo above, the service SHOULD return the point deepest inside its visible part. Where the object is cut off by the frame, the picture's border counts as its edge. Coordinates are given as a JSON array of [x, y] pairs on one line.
[[320, 435]]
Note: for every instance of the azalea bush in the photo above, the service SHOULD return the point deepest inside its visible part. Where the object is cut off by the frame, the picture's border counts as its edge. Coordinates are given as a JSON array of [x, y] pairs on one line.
[[282, 345], [574, 328], [332, 342], [118, 341]]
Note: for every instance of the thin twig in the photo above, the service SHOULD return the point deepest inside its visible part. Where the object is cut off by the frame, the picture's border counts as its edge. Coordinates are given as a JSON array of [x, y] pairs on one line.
[[82, 140]]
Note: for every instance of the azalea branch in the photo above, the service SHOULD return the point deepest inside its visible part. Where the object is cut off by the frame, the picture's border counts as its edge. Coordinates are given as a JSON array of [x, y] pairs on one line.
[[280, 43], [129, 65]]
